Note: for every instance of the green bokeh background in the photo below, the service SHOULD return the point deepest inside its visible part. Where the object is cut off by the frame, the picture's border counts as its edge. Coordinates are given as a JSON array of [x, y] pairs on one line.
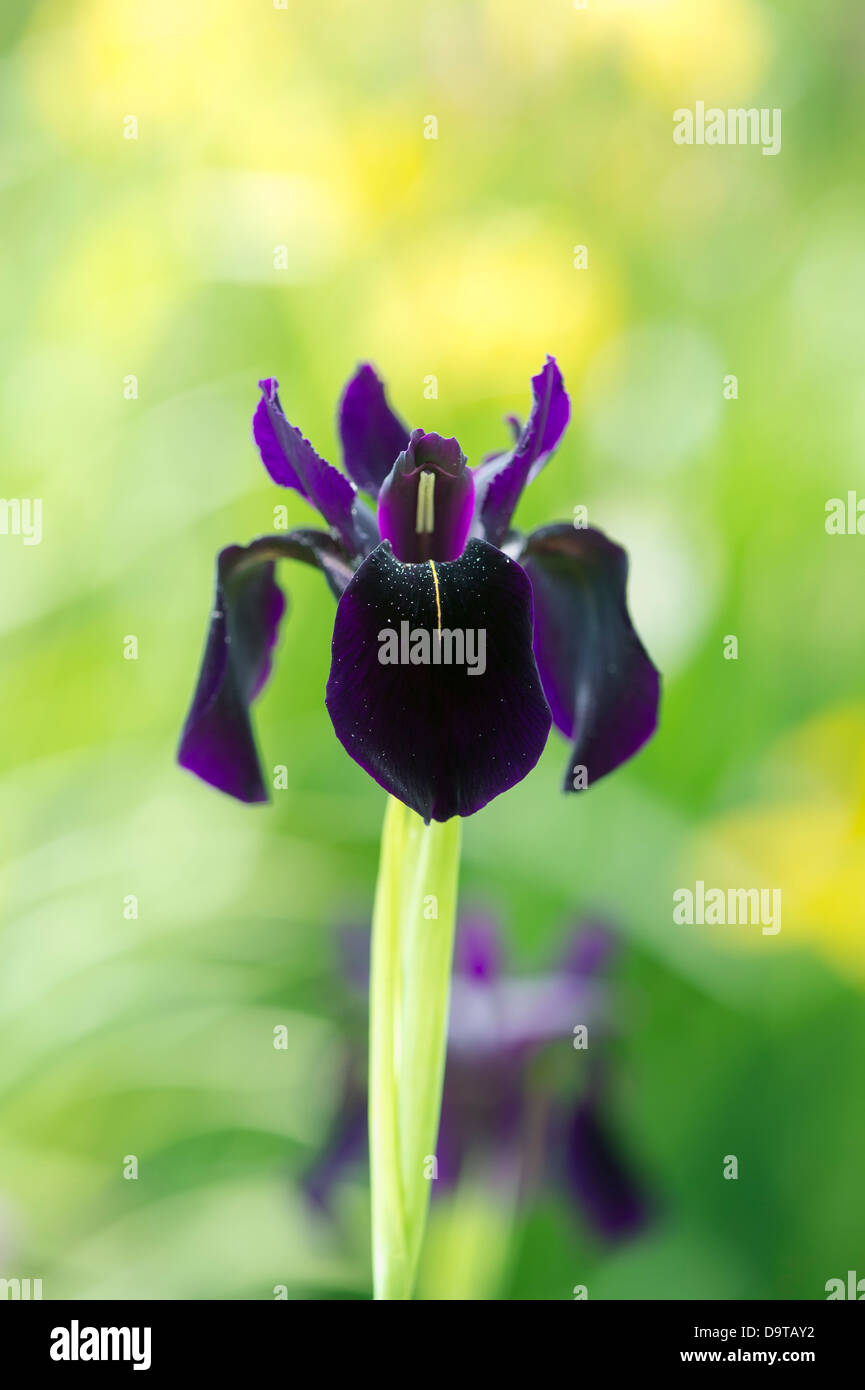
[[153, 257]]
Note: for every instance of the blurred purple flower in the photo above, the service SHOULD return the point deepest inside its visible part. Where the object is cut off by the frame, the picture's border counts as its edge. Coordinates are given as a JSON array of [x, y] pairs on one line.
[[437, 556], [499, 1117]]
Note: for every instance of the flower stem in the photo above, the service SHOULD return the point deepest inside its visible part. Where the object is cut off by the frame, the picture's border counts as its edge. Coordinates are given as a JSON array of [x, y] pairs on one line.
[[412, 950]]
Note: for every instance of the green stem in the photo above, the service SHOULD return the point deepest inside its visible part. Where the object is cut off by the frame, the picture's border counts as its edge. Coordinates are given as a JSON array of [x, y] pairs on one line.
[[412, 950]]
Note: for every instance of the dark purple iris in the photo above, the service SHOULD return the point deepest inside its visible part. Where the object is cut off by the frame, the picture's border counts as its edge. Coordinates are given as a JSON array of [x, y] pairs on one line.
[[517, 1124], [457, 641]]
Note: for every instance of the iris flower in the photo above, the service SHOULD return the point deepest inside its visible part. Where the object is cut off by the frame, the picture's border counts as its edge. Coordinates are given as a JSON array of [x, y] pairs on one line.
[[503, 1120], [429, 555], [457, 643]]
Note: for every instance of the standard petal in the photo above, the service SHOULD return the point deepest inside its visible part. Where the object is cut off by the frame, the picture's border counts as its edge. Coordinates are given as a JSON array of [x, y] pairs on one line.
[[444, 735], [292, 462], [478, 950], [372, 436], [217, 743], [591, 951], [500, 480], [426, 502], [601, 686]]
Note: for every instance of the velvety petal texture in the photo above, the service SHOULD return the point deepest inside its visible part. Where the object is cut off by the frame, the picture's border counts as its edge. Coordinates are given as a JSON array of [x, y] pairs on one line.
[[217, 743], [443, 735], [601, 686], [500, 480], [372, 435], [292, 462]]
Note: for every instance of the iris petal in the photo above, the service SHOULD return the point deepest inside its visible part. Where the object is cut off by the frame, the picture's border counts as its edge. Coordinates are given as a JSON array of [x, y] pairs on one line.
[[372, 435], [500, 480], [478, 950], [292, 462], [598, 1174], [426, 502], [441, 739], [346, 1146], [601, 686], [217, 743]]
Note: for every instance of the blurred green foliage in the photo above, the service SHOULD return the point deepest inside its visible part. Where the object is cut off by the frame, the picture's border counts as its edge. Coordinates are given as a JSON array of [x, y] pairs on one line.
[[154, 258]]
